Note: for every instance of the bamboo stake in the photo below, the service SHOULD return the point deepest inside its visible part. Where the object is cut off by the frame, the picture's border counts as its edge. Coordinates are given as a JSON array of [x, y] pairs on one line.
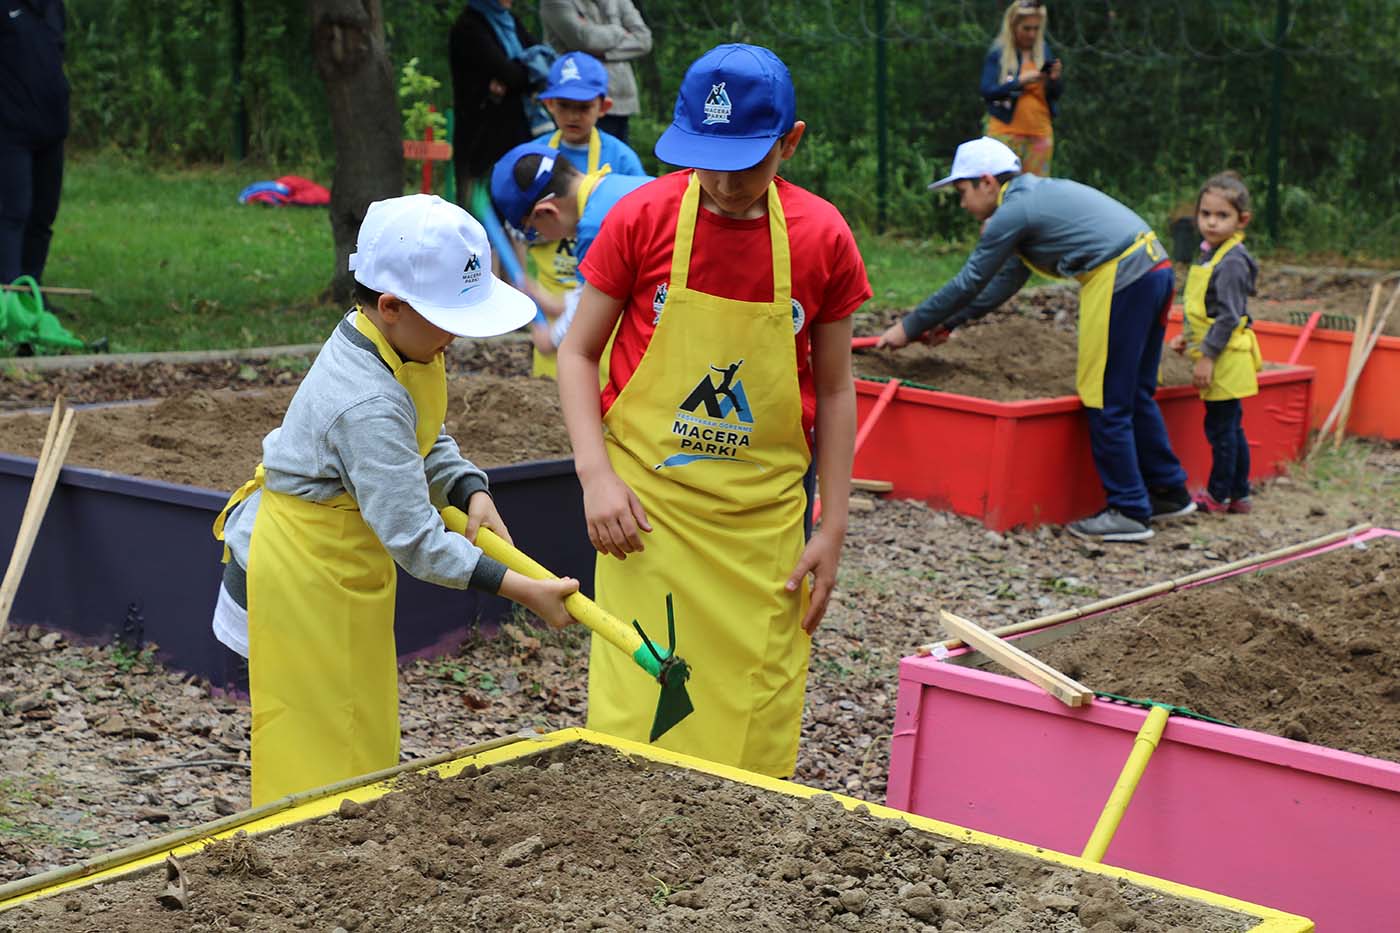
[[1353, 377], [1113, 602], [45, 476], [1357, 359]]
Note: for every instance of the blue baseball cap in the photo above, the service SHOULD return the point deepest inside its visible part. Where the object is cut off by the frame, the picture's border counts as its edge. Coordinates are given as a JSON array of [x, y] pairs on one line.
[[735, 100], [513, 203], [576, 76]]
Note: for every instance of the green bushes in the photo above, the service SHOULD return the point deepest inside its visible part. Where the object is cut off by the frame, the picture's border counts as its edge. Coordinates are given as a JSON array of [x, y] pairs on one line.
[[1158, 96]]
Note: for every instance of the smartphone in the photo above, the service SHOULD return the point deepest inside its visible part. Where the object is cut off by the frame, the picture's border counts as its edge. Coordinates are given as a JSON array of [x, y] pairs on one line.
[[1045, 68]]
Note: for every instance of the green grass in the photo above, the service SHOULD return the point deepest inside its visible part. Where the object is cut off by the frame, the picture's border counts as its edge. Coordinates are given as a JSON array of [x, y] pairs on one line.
[[179, 264]]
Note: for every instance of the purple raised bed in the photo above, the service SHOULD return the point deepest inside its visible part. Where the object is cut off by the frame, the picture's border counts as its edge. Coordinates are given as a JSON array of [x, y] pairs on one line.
[[119, 557]]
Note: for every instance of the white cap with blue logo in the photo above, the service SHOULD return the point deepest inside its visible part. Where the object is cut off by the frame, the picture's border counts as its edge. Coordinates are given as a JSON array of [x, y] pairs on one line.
[[435, 256]]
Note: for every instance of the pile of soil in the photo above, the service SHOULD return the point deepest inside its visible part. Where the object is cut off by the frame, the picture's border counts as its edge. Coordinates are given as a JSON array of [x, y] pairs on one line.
[[119, 382], [213, 438], [1289, 294], [526, 846], [1007, 356], [1309, 650]]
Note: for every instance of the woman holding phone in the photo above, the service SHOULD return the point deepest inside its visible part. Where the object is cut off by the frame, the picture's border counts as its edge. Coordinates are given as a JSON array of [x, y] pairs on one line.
[[1021, 84]]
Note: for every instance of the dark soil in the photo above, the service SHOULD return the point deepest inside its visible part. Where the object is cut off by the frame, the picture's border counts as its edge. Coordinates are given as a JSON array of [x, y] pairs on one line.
[[213, 438], [1289, 297], [21, 388], [1007, 356], [527, 846], [1309, 650]]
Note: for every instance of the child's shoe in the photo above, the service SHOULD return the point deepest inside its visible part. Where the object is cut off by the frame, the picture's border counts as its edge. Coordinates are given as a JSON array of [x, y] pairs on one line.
[[1241, 506], [1208, 503]]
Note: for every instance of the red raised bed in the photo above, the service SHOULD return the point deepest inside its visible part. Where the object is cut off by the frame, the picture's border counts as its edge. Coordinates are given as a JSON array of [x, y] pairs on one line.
[[1028, 463], [1374, 412]]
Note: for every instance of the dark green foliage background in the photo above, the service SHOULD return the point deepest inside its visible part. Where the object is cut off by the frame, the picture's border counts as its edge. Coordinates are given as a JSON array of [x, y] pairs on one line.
[[1159, 95]]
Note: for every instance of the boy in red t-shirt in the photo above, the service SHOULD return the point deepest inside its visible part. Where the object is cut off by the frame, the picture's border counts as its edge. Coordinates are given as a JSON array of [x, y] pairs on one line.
[[731, 364]]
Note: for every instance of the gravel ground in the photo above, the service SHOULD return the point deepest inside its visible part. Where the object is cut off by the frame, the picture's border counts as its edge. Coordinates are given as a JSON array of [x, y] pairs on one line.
[[102, 749]]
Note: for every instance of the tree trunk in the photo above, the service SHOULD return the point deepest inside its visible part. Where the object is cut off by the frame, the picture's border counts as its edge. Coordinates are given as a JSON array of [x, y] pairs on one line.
[[347, 45]]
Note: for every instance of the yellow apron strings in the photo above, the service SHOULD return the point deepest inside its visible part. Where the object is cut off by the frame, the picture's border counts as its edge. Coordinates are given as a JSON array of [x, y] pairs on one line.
[[782, 249], [426, 383], [595, 147], [240, 494], [685, 234]]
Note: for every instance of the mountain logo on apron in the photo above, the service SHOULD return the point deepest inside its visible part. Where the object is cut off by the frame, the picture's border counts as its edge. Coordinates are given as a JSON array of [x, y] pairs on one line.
[[717, 105], [703, 426], [658, 302]]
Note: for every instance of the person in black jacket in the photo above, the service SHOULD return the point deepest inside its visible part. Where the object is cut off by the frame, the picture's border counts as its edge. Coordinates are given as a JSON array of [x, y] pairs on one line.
[[33, 125], [490, 85]]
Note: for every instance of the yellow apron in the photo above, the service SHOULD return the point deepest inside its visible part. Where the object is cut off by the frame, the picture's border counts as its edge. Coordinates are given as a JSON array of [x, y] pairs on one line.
[[323, 671], [708, 433], [555, 263], [1235, 367], [1095, 302]]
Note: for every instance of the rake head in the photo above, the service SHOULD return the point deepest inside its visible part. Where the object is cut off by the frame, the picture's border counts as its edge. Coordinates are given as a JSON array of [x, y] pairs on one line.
[[1326, 321]]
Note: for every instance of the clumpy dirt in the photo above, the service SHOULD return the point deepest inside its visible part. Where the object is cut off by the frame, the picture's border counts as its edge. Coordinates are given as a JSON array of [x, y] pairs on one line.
[[117, 382], [1309, 650], [1007, 356], [527, 846], [1289, 296], [213, 438]]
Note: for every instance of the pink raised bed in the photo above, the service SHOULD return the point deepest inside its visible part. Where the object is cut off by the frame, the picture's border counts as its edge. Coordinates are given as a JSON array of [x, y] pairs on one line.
[[1028, 463], [1287, 824]]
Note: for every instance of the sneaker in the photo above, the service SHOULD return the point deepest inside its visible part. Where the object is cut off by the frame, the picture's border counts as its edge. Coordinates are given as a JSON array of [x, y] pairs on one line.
[[1110, 525], [1170, 503], [1241, 506], [1208, 503]]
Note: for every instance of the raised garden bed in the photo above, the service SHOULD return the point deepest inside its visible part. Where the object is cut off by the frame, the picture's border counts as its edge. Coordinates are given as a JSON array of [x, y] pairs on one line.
[[1027, 461], [126, 551], [1307, 650], [514, 838]]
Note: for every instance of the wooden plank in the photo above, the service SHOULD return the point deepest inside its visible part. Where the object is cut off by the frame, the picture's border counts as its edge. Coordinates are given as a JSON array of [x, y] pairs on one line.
[[1063, 688], [872, 485]]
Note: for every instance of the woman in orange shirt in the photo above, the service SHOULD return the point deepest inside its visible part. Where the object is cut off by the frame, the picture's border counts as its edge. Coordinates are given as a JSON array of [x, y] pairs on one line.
[[1021, 84]]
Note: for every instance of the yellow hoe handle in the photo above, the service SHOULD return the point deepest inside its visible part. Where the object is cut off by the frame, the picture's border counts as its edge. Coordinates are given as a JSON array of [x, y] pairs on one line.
[[585, 610]]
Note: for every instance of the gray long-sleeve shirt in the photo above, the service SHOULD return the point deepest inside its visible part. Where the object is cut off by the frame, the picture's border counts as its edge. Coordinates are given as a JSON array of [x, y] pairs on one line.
[[1229, 289], [350, 427], [610, 30], [1057, 225]]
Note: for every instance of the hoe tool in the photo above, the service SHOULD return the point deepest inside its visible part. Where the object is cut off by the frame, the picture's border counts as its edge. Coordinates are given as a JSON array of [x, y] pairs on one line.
[[669, 670]]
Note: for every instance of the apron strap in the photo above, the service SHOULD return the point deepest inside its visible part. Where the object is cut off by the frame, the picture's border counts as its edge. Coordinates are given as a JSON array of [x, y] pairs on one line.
[[595, 147], [777, 232]]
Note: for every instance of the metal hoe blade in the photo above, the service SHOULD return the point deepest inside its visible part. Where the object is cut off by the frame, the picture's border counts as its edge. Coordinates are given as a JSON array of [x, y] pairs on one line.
[[674, 703]]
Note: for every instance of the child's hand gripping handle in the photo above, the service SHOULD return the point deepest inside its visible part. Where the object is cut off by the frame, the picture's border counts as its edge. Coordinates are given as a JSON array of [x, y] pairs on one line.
[[585, 610]]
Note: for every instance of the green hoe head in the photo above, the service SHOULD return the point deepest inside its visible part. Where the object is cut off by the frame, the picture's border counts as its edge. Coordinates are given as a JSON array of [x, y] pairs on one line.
[[674, 703]]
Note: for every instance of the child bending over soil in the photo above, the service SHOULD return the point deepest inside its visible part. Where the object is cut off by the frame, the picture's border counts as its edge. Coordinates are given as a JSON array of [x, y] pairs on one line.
[[1218, 336], [350, 485]]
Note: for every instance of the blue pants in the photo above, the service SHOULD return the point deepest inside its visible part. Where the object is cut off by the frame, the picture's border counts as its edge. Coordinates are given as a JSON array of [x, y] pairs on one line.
[[1128, 438], [1229, 465], [31, 179]]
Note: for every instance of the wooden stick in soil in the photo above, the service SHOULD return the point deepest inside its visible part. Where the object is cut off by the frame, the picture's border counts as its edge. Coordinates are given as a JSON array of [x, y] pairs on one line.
[[1060, 686], [45, 476], [1353, 377], [1359, 337], [1113, 602]]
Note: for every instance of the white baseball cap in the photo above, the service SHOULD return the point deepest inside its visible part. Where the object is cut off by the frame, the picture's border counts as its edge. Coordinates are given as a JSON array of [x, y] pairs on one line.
[[435, 256], [978, 157]]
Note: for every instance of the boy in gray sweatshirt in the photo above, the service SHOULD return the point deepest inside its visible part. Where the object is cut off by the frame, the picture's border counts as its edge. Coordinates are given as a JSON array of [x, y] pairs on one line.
[[350, 485]]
